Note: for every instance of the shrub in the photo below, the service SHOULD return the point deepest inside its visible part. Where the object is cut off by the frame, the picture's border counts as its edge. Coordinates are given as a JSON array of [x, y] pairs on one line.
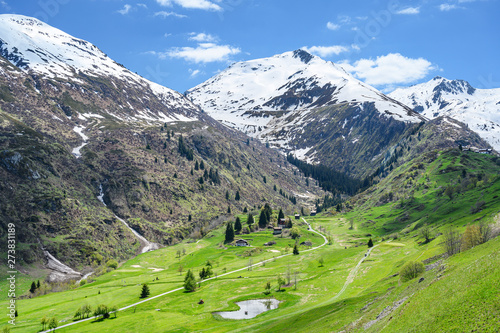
[[471, 237], [295, 233], [411, 270]]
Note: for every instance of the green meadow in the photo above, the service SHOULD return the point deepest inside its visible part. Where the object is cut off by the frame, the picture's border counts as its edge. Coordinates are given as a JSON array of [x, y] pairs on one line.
[[327, 288]]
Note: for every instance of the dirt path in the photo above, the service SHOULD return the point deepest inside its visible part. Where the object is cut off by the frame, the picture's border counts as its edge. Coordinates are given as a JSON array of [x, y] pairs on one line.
[[353, 273]]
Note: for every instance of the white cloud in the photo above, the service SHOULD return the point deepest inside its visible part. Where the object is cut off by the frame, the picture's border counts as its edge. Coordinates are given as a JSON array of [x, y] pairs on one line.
[[126, 9], [191, 4], [409, 11], [326, 51], [5, 5], [143, 5], [389, 69], [202, 37], [203, 53], [332, 26], [445, 7], [167, 14], [194, 73]]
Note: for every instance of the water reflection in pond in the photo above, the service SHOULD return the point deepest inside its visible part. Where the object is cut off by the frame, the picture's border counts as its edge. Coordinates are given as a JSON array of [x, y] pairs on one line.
[[250, 309]]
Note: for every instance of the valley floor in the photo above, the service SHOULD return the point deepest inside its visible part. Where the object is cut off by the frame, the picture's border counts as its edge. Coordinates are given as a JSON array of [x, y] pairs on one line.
[[349, 292]]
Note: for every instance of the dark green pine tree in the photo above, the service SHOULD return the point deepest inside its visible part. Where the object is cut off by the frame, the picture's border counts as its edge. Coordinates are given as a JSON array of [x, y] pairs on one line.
[[37, 284], [227, 195], [228, 209], [202, 165], [370, 243], [144, 291], [269, 212], [189, 281], [237, 225], [237, 196], [196, 166], [295, 249], [33, 287], [262, 219], [245, 210], [250, 219], [281, 215], [229, 232]]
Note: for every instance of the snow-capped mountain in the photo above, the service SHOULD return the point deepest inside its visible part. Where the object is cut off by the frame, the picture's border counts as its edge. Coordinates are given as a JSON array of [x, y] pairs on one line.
[[252, 93], [38, 48], [478, 108], [309, 107]]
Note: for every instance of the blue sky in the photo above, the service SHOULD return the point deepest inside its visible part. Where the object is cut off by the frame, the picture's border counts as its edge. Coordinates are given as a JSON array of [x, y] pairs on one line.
[[181, 43]]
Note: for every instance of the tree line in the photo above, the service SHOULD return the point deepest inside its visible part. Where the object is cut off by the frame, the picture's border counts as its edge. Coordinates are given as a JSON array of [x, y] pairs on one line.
[[330, 180]]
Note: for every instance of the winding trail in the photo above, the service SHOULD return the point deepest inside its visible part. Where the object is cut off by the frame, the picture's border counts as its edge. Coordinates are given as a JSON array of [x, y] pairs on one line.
[[353, 273], [212, 278]]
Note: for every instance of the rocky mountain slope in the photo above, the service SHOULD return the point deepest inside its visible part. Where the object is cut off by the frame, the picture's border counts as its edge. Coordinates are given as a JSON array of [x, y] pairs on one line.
[[314, 110], [87, 147], [478, 108]]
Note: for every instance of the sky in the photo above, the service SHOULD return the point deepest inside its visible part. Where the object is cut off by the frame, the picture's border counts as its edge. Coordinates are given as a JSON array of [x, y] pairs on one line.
[[387, 44]]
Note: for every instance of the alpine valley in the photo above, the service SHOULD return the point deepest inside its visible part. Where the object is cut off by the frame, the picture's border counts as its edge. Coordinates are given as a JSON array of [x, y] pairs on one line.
[[283, 181]]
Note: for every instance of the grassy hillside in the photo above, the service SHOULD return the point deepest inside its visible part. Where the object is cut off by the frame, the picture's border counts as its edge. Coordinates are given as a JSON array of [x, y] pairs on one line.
[[146, 179], [350, 292]]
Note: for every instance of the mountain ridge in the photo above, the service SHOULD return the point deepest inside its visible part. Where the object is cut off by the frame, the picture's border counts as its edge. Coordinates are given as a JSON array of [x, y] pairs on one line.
[[479, 108]]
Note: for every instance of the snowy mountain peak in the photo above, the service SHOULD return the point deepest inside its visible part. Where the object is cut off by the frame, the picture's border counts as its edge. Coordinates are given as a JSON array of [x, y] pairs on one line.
[[479, 108], [454, 86], [303, 55], [249, 94], [32, 45]]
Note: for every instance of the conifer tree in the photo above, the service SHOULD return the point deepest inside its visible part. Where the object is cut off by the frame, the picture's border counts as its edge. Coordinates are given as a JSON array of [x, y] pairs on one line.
[[196, 166], [250, 219], [281, 215], [268, 211], [229, 232], [237, 225], [189, 281], [262, 219], [202, 165], [144, 291], [295, 249], [370, 243], [33, 287], [237, 196]]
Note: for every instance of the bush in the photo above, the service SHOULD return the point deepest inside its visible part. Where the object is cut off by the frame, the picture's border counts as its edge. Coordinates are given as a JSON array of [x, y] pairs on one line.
[[411, 270], [477, 207]]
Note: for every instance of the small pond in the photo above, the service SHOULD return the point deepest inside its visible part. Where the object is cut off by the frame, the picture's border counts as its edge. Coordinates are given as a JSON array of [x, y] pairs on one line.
[[250, 309]]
